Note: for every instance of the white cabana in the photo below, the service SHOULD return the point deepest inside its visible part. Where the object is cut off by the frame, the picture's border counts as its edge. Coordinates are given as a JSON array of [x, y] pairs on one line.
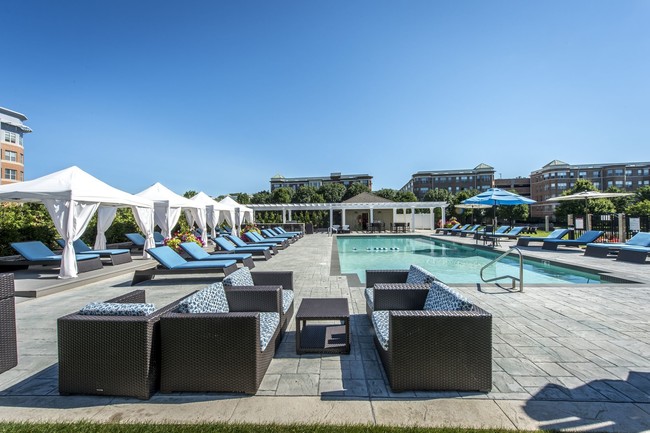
[[168, 206], [215, 211], [71, 197], [242, 213]]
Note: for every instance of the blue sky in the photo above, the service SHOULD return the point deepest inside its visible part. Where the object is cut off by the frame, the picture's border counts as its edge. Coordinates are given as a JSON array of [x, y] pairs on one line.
[[219, 96]]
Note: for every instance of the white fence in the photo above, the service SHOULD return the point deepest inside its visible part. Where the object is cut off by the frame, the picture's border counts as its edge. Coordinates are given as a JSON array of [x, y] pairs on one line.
[[422, 220]]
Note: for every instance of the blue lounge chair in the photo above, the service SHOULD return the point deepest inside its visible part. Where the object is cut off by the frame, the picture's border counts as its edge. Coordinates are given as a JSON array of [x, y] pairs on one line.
[[37, 253], [256, 237], [640, 239], [268, 233], [445, 230], [170, 263], [633, 253], [115, 256], [282, 230], [555, 234], [512, 234], [197, 253], [138, 241], [258, 250], [456, 231], [159, 238], [470, 231], [239, 243], [278, 234], [586, 238]]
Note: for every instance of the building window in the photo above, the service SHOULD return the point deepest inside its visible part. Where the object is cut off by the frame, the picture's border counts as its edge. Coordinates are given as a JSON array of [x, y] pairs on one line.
[[10, 137], [582, 174], [628, 184], [20, 139], [10, 156], [596, 184], [10, 174]]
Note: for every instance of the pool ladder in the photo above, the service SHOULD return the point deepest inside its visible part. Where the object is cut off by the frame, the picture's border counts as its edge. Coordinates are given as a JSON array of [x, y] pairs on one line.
[[513, 278]]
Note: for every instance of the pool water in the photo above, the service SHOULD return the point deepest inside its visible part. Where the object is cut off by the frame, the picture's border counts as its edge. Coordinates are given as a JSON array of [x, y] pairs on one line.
[[448, 261]]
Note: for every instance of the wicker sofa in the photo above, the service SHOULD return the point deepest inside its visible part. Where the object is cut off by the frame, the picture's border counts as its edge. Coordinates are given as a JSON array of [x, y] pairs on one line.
[[111, 355], [429, 349], [219, 352], [8, 349]]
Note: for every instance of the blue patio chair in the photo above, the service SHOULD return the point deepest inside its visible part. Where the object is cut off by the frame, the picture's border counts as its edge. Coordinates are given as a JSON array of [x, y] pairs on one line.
[[171, 263], [116, 256], [270, 234], [445, 230], [586, 238], [282, 230], [256, 237], [37, 253], [640, 239], [455, 231], [633, 253], [240, 243], [523, 241], [158, 238], [258, 250], [138, 240], [197, 253]]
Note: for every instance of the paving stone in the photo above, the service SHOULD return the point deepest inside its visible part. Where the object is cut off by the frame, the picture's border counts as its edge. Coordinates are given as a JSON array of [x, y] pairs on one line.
[[298, 384], [519, 367]]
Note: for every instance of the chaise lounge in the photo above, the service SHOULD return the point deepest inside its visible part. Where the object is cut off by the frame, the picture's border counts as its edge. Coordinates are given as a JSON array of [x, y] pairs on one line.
[[199, 254], [258, 250], [115, 256], [524, 241], [586, 238], [634, 254], [37, 253], [640, 239], [170, 263], [240, 243], [138, 241]]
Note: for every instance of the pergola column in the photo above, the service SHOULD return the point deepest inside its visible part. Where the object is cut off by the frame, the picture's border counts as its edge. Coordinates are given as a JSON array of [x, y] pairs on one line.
[[372, 216], [412, 219], [442, 217], [290, 216], [331, 217], [284, 219], [342, 216], [433, 218]]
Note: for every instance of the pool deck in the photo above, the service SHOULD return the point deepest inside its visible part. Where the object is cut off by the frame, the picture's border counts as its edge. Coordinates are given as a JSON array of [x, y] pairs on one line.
[[565, 357]]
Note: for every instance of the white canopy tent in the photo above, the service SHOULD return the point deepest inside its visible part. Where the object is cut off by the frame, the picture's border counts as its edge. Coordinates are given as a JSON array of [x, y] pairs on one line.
[[242, 213], [216, 212], [168, 206], [71, 197]]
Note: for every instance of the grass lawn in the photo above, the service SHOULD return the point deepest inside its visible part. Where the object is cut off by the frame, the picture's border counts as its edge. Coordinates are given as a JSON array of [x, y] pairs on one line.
[[84, 427]]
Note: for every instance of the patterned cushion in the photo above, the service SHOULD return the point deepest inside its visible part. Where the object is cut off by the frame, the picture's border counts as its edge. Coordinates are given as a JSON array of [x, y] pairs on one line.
[[370, 297], [418, 275], [212, 299], [268, 324], [287, 299], [116, 309], [443, 297], [241, 277], [380, 321]]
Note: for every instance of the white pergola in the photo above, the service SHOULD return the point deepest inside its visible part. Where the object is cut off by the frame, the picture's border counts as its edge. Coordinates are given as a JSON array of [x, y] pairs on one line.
[[288, 208]]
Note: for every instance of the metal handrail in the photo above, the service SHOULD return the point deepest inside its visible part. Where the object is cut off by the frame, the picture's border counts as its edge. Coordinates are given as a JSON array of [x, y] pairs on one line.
[[513, 278]]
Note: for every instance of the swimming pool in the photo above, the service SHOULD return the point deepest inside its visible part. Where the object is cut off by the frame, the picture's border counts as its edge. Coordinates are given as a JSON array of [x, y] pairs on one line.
[[448, 261]]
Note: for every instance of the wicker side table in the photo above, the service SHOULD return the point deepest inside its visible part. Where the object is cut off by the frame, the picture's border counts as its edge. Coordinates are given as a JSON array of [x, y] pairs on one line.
[[8, 347], [323, 338]]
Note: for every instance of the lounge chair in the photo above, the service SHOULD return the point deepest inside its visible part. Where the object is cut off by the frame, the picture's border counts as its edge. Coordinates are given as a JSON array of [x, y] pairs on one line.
[[555, 234], [158, 238], [37, 253], [586, 238], [445, 230], [240, 243], [199, 254], [282, 230], [269, 234], [138, 241], [512, 234], [170, 263], [345, 228], [228, 248], [470, 231], [115, 256], [633, 253], [256, 237], [277, 233], [640, 239], [456, 231]]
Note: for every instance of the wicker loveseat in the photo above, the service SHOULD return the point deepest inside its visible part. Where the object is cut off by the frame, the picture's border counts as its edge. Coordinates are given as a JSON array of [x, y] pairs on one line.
[[431, 338], [220, 351], [381, 286], [8, 350], [111, 355]]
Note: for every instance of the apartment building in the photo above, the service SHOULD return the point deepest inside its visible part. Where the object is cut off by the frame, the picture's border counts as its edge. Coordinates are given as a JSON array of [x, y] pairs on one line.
[[279, 181], [558, 176], [480, 177], [520, 185], [12, 153]]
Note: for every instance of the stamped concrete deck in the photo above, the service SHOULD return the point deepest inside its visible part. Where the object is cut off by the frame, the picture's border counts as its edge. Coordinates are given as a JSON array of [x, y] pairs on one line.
[[571, 357]]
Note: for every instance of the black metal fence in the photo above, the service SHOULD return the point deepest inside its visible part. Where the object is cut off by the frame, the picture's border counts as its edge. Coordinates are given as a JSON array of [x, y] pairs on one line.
[[609, 224]]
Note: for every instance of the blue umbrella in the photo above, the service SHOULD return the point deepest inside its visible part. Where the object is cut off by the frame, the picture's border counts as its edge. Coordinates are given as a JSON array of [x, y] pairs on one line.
[[497, 196]]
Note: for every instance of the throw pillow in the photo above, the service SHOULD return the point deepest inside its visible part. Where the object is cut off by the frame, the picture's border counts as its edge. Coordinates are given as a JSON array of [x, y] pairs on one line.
[[241, 277], [212, 299]]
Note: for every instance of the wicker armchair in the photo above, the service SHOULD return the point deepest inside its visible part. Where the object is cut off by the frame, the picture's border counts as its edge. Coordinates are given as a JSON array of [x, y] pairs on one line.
[[381, 291], [111, 355], [8, 350], [432, 350], [219, 352]]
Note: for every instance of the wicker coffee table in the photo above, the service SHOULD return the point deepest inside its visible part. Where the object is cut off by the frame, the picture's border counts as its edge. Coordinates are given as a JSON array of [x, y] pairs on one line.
[[323, 338]]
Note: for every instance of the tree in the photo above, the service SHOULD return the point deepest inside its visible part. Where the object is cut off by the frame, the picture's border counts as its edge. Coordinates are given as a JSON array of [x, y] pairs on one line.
[[243, 198], [355, 189], [641, 208], [261, 197], [642, 193], [579, 207], [620, 203], [189, 194], [513, 213], [438, 195], [307, 194], [405, 196], [458, 198], [387, 193], [282, 195], [332, 192]]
